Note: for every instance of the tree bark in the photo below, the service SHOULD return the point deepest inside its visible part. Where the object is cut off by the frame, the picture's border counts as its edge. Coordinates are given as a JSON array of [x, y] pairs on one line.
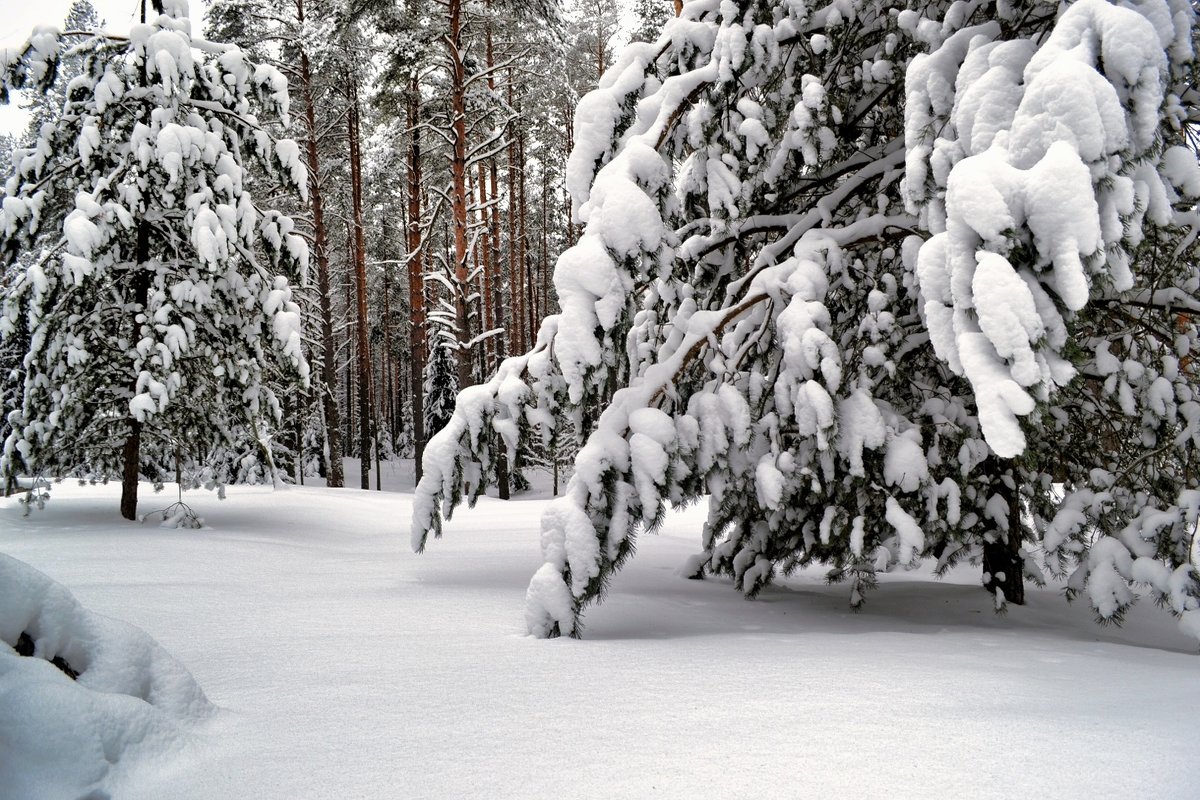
[[331, 415], [1003, 568], [484, 256], [129, 474], [416, 278], [360, 292], [530, 324], [458, 200], [131, 452], [514, 277], [493, 280]]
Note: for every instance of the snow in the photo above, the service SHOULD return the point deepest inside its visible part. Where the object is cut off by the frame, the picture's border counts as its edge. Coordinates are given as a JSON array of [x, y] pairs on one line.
[[904, 463], [131, 700], [1008, 315], [342, 665]]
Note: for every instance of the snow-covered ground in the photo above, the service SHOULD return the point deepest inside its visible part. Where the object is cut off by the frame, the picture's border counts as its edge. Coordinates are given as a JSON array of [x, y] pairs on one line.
[[344, 666]]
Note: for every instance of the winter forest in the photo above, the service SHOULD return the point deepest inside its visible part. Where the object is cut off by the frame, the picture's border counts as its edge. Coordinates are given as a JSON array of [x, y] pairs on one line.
[[885, 316]]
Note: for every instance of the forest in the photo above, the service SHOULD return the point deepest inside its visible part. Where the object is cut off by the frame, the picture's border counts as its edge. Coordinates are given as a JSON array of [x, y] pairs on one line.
[[814, 300], [870, 313], [435, 143]]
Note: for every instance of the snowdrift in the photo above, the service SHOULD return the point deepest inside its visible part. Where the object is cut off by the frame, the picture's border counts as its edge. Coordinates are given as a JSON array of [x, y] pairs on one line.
[[62, 736]]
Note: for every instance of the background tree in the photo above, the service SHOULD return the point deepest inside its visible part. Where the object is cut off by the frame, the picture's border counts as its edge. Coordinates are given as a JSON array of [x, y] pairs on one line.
[[152, 302]]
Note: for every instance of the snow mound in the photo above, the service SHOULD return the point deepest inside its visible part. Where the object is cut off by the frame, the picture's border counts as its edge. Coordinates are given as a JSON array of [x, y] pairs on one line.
[[61, 737]]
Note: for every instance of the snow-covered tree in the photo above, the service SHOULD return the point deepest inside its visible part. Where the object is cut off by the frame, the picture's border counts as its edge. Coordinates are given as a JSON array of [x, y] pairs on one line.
[[440, 383], [650, 16], [150, 294], [1060, 279], [46, 106], [865, 276]]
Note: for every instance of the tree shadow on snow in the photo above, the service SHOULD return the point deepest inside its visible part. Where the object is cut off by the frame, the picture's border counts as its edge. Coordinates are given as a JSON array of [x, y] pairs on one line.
[[647, 606]]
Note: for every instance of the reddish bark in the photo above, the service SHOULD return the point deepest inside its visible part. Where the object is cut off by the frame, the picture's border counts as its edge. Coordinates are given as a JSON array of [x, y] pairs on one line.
[[416, 280], [328, 373], [360, 291], [458, 171]]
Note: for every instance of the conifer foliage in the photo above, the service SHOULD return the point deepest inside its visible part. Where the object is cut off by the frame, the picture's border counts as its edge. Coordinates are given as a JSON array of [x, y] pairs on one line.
[[884, 284], [151, 294]]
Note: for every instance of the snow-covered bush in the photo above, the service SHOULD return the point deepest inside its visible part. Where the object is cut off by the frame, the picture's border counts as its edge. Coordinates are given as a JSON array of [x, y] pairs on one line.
[[149, 293], [64, 734], [846, 272]]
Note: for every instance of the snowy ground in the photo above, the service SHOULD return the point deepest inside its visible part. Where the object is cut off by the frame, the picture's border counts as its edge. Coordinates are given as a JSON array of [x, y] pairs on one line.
[[344, 666]]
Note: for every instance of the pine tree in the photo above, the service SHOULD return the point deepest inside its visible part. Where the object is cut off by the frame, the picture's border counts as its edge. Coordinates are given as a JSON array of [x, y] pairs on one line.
[[150, 292], [46, 106], [861, 276], [440, 383], [650, 18], [305, 34]]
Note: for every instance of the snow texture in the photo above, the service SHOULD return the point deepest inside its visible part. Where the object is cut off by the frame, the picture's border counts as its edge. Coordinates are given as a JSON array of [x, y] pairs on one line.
[[132, 701], [393, 674]]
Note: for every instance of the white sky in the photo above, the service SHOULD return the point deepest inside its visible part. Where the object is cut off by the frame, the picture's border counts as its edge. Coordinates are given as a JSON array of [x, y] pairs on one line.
[[18, 18]]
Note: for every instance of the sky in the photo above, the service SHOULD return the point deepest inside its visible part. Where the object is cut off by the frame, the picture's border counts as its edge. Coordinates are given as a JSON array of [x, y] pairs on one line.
[[19, 17]]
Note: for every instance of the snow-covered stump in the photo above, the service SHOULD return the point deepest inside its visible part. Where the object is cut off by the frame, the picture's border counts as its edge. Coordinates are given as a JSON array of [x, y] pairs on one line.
[[83, 698]]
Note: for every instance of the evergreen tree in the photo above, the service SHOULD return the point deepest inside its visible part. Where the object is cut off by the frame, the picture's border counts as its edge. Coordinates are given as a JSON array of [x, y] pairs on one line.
[[863, 276], [441, 383], [650, 17], [48, 105], [150, 295], [307, 47]]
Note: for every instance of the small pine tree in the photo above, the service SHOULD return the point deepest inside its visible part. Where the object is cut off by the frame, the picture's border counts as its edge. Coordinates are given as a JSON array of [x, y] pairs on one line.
[[149, 296], [441, 382]]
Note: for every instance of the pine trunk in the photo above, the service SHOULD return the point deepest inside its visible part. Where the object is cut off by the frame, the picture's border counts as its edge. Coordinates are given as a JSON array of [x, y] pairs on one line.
[[492, 277], [484, 256], [1003, 567], [458, 199], [360, 294], [130, 455], [131, 452], [416, 278], [530, 303], [514, 277], [386, 367], [331, 415]]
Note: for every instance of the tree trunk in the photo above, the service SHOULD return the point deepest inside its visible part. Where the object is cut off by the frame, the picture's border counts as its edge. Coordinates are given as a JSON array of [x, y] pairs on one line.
[[416, 278], [458, 199], [130, 455], [360, 294], [483, 254], [331, 415], [387, 368], [131, 452], [1003, 568], [545, 255], [514, 277], [301, 400], [493, 306], [530, 324]]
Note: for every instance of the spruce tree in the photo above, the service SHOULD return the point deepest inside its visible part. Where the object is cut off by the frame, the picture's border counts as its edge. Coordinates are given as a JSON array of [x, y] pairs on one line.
[[151, 294], [440, 383]]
